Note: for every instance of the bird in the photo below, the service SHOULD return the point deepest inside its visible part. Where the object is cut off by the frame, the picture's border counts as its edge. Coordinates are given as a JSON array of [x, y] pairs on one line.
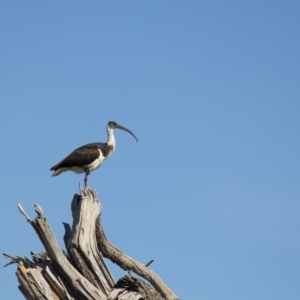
[[89, 157]]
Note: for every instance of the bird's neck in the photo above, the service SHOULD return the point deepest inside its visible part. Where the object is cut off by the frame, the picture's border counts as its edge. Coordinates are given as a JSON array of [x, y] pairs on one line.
[[111, 138]]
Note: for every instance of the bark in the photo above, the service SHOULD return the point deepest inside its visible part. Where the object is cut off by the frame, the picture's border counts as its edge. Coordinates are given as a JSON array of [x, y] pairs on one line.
[[81, 272]]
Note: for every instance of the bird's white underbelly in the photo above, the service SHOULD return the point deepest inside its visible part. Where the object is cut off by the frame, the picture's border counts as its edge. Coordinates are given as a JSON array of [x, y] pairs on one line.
[[97, 162], [92, 166]]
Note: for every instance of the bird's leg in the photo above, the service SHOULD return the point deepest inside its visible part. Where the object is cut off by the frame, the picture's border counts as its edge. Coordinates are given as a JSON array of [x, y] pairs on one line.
[[87, 173]]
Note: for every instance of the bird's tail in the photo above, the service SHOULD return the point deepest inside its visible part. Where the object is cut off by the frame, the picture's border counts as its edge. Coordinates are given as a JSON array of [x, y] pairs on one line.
[[57, 172]]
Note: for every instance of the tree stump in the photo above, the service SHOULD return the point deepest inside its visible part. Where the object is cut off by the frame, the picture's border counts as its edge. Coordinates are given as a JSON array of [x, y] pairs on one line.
[[81, 273]]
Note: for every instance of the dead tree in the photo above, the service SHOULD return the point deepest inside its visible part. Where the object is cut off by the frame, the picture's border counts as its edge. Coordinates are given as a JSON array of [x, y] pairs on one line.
[[80, 273]]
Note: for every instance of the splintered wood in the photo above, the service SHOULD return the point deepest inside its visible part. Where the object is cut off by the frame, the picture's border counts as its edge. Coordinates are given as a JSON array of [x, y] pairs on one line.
[[80, 273]]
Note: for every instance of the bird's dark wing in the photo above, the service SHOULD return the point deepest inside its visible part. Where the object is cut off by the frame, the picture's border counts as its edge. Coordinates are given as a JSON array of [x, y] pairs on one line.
[[80, 157]]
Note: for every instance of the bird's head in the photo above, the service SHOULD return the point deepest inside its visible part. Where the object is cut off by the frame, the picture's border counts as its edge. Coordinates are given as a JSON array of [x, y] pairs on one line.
[[113, 125]]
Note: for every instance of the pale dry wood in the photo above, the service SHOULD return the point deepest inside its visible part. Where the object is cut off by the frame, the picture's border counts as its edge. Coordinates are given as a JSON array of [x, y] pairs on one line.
[[36, 287], [82, 273], [138, 290], [79, 284], [92, 208], [57, 284], [82, 244], [39, 279], [84, 205], [127, 263]]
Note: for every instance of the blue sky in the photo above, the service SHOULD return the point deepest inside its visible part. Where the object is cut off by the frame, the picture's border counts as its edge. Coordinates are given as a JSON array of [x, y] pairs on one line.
[[210, 88]]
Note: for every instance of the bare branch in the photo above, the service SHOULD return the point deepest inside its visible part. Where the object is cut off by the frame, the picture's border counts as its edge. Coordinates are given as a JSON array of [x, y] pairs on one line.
[[83, 245], [82, 273], [127, 263], [79, 283]]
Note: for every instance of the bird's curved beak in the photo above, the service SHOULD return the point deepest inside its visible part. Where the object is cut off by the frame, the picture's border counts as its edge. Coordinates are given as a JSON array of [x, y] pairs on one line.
[[125, 129]]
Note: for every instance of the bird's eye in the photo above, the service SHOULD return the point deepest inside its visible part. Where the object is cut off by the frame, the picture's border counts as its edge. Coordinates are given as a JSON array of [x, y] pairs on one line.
[[112, 124]]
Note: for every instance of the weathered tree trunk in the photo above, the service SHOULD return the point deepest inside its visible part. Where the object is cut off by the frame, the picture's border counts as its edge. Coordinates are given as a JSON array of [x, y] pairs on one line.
[[81, 273]]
